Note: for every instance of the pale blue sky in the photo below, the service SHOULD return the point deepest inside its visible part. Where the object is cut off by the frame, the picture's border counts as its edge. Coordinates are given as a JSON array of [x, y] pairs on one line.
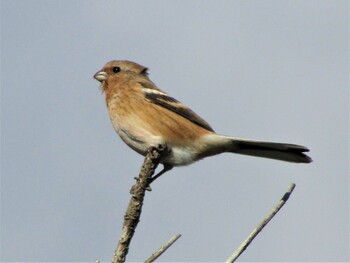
[[269, 70]]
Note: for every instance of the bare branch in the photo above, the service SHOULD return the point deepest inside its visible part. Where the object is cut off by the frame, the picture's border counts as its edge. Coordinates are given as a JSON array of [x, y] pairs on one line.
[[257, 230], [133, 212], [162, 249]]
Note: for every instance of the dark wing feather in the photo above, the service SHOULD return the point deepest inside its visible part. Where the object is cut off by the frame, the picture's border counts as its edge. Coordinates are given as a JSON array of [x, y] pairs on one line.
[[165, 101]]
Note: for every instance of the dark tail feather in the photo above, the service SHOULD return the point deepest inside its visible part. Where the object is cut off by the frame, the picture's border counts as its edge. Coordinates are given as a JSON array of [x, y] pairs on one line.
[[279, 151]]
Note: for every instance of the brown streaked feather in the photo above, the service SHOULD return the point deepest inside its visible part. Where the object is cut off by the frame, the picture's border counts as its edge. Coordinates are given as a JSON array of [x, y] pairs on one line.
[[167, 102]]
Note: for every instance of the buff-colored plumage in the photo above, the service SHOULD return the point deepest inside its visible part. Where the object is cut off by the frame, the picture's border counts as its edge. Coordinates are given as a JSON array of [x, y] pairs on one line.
[[144, 116]]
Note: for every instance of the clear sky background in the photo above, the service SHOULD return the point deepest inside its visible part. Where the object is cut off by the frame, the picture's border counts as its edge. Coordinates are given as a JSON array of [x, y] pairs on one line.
[[270, 70]]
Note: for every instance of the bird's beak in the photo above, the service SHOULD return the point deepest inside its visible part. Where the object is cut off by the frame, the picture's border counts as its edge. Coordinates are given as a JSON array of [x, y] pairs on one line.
[[100, 76]]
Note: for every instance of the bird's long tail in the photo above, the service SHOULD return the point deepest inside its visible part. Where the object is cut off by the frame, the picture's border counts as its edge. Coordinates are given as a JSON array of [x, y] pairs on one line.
[[272, 150]]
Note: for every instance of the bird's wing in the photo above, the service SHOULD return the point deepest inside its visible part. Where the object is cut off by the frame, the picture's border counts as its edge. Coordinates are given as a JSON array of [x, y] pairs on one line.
[[158, 97]]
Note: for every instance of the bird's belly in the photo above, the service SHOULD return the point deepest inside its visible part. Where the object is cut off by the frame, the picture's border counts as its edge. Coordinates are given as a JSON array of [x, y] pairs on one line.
[[176, 156], [138, 142], [179, 156], [140, 136]]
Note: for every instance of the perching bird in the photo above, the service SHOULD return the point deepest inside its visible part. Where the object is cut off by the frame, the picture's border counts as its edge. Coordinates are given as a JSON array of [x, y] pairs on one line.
[[145, 116]]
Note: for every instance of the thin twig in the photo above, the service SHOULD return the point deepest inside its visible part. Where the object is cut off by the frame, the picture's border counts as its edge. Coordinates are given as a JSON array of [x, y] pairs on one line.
[[133, 212], [162, 249], [257, 230]]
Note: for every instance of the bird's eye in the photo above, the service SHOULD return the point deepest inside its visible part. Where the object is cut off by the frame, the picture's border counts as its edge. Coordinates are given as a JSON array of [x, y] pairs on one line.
[[116, 69]]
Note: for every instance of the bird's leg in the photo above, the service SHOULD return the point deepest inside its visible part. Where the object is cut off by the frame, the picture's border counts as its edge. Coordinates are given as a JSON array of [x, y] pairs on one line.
[[166, 167]]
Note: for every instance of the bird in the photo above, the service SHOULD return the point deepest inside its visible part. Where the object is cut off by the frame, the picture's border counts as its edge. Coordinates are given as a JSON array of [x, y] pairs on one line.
[[145, 116]]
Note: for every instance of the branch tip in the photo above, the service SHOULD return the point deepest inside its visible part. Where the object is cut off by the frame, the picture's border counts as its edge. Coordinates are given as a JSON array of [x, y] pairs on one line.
[[260, 227]]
